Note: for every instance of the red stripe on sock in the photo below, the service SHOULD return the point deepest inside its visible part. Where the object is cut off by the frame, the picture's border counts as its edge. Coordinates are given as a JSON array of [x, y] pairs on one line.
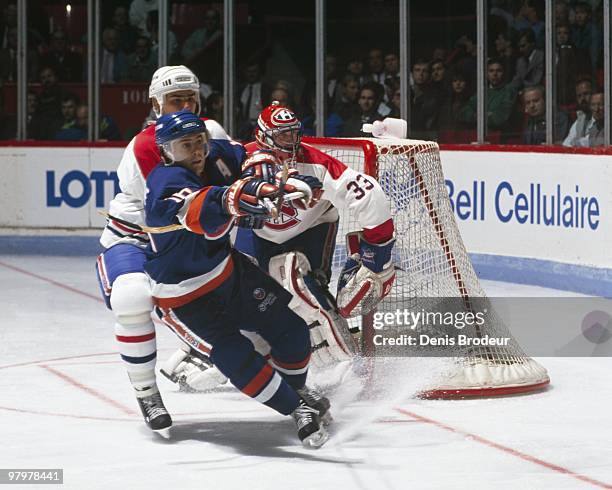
[[136, 338]]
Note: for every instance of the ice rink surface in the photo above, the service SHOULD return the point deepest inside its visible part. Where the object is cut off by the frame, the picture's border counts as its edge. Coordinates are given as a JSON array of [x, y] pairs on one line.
[[65, 402]]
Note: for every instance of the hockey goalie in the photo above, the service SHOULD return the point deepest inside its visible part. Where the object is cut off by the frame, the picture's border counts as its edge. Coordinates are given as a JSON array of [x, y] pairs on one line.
[[297, 246]]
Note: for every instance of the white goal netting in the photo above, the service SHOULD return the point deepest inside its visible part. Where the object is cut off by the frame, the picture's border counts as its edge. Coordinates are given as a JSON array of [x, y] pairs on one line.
[[434, 269]]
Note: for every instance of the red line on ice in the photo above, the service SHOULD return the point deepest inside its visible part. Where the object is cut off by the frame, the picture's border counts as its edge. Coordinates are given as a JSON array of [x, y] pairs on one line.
[[51, 281], [87, 389], [53, 414], [506, 449]]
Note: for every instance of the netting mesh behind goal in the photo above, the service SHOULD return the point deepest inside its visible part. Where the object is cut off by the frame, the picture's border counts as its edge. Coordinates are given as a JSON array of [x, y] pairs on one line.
[[433, 263]]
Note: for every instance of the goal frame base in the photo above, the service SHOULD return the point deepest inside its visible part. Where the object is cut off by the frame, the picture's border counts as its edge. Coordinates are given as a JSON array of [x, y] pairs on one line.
[[483, 392]]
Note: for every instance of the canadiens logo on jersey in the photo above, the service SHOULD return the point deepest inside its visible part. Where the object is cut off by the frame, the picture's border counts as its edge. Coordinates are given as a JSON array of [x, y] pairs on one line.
[[286, 219], [283, 116]]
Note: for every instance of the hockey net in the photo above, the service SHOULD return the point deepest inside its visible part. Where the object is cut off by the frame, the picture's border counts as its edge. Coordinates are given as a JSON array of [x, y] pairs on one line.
[[432, 262]]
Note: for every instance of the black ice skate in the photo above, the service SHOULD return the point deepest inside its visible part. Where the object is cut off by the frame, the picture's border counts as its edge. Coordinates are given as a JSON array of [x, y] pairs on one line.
[[311, 431], [316, 400], [154, 412]]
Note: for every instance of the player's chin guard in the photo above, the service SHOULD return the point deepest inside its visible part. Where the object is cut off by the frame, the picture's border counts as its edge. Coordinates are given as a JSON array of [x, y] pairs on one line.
[[168, 79], [170, 129], [367, 276], [279, 129]]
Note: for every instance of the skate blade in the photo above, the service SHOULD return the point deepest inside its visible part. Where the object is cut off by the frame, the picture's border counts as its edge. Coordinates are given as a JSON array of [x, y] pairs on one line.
[[316, 439], [164, 433]]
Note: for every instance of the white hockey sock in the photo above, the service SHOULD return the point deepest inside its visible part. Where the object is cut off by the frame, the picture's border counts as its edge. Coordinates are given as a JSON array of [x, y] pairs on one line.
[[138, 351]]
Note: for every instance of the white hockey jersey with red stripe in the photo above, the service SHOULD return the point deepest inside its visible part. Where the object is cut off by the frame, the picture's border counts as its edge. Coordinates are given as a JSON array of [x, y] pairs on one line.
[[139, 158], [342, 187]]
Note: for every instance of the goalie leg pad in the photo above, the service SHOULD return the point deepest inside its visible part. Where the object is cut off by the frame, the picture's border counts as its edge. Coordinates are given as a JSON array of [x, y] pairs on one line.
[[330, 338], [360, 290], [192, 372], [367, 276]]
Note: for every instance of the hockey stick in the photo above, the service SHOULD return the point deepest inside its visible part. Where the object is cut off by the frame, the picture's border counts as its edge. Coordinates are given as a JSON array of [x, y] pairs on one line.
[[275, 212], [143, 228]]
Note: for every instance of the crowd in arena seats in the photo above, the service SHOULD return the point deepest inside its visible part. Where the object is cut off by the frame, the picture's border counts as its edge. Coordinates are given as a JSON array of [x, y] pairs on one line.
[[361, 87]]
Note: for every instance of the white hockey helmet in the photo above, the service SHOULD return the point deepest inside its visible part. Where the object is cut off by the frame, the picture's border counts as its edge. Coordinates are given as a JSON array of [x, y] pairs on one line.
[[168, 79]]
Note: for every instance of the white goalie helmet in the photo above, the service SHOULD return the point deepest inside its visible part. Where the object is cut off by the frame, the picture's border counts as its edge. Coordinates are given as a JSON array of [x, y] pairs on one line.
[[168, 79]]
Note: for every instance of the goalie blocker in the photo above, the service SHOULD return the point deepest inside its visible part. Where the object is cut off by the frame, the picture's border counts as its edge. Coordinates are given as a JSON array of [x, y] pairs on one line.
[[367, 276]]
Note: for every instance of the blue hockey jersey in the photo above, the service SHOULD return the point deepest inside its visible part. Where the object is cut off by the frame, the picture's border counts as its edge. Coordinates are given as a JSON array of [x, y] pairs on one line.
[[186, 264]]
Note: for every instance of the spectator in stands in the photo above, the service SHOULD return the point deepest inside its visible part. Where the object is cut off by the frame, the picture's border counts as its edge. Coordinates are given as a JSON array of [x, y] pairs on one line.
[[68, 65], [36, 125], [70, 103], [501, 99], [202, 38], [153, 34], [141, 63], [391, 66], [463, 57], [395, 101], [439, 53], [331, 75], [128, 34], [458, 98], [282, 95], [439, 84], [139, 9], [376, 66], [566, 65], [580, 127], [334, 125], [530, 65], [114, 61], [50, 97], [425, 101], [8, 60], [368, 101], [438, 72], [254, 95], [506, 53], [530, 16], [595, 131], [562, 13], [355, 68], [586, 35], [9, 20], [287, 86], [534, 132], [213, 108], [347, 107], [108, 129]]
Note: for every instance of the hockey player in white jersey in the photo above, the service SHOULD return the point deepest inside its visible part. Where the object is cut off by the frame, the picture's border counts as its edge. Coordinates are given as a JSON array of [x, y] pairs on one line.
[[120, 271], [297, 248]]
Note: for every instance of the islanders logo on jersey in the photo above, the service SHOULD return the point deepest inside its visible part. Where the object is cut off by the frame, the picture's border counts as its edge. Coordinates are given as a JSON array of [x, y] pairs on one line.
[[286, 219]]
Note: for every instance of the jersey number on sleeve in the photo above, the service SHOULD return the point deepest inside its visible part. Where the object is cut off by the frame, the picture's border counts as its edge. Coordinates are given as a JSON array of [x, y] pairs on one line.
[[359, 186]]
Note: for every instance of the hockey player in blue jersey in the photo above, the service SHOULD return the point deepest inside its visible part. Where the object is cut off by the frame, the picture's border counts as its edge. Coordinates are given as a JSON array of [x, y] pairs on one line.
[[207, 292]]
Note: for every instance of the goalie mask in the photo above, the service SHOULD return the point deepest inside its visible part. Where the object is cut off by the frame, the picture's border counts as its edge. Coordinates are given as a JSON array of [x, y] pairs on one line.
[[279, 129], [169, 79], [182, 137]]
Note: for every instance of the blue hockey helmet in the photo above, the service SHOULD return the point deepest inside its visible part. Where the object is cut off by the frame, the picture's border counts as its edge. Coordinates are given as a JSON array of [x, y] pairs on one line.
[[171, 128]]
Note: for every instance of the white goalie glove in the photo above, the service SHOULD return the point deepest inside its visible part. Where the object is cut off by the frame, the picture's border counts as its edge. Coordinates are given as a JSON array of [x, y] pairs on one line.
[[330, 337], [367, 276], [192, 373]]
